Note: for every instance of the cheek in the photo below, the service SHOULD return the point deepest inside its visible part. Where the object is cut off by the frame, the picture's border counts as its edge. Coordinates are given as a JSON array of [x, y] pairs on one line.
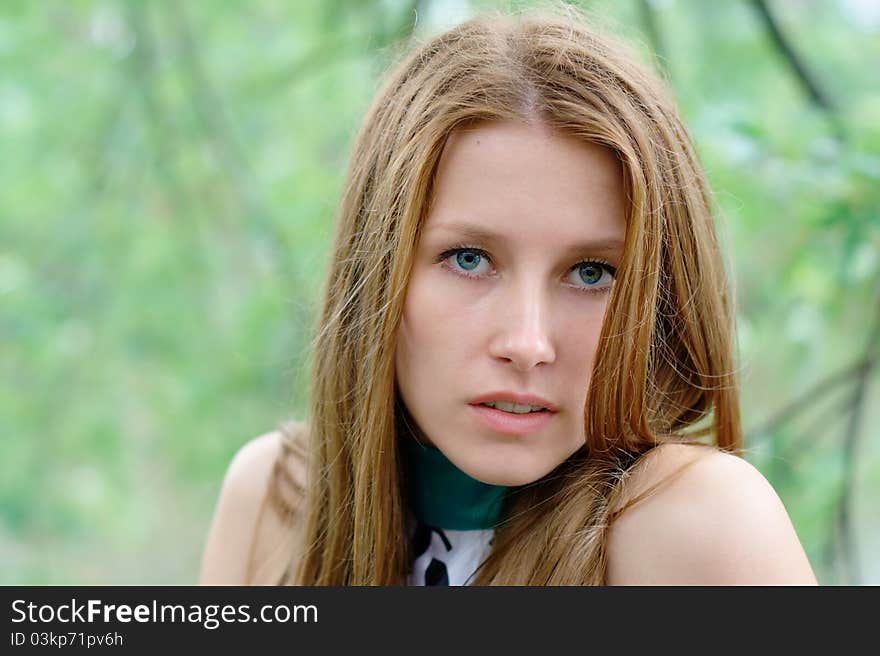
[[433, 312], [581, 347], [423, 326], [583, 336], [591, 343]]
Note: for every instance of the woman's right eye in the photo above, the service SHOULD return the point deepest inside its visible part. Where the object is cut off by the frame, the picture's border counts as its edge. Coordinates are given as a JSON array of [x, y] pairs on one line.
[[464, 259]]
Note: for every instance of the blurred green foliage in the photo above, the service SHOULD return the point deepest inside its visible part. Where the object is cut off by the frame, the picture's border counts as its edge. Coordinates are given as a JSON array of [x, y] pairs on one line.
[[170, 173]]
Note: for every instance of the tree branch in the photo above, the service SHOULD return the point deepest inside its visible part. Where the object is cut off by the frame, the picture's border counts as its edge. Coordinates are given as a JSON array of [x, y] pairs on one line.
[[850, 445], [808, 398], [800, 69], [209, 110], [142, 62]]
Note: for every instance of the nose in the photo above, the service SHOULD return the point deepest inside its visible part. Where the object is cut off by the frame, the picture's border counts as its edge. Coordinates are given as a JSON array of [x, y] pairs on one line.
[[523, 336]]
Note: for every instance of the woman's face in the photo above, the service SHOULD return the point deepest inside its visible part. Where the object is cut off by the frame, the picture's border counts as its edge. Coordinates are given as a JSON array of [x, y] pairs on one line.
[[516, 308]]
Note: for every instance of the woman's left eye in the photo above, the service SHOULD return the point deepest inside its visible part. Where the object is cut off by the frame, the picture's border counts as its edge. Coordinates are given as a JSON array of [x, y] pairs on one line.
[[591, 275], [597, 275]]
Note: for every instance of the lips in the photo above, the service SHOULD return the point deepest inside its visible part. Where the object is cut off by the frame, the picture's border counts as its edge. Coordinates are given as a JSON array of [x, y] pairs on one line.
[[509, 423], [515, 397]]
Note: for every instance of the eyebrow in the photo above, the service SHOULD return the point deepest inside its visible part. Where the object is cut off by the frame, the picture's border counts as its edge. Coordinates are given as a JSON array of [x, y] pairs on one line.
[[478, 233]]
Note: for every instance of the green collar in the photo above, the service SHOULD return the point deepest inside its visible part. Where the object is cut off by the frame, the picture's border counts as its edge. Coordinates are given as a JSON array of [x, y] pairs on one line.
[[442, 495]]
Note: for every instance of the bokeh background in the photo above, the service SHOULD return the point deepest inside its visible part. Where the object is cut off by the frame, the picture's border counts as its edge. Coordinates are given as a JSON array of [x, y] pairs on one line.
[[169, 173]]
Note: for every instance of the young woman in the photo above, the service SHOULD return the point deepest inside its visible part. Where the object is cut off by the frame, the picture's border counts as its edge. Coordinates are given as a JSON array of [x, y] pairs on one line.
[[523, 369]]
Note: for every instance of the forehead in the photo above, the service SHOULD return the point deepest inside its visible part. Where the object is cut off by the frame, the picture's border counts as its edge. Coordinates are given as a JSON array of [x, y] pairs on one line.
[[509, 176]]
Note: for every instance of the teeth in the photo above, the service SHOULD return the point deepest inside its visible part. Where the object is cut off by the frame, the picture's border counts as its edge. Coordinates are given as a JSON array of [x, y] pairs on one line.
[[513, 407]]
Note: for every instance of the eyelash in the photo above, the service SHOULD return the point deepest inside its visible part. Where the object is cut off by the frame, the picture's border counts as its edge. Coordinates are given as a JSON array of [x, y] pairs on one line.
[[466, 247]]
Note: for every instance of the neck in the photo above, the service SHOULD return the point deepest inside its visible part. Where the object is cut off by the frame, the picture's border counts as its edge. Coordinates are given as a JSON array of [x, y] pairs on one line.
[[442, 495]]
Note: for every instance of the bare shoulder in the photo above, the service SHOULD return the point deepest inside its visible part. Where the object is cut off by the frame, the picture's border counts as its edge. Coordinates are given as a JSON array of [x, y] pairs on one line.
[[695, 515], [250, 540]]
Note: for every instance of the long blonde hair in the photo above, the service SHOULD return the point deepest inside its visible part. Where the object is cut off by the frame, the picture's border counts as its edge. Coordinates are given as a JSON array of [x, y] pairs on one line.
[[664, 369]]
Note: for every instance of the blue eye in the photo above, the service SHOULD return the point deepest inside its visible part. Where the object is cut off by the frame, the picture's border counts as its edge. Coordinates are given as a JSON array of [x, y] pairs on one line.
[[467, 259], [590, 272]]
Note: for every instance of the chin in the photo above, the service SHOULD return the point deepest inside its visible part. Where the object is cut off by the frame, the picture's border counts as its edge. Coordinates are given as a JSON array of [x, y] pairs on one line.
[[509, 475], [509, 480]]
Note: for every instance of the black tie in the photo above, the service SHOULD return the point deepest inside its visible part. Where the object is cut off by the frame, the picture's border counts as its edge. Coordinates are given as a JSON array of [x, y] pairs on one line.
[[436, 573]]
